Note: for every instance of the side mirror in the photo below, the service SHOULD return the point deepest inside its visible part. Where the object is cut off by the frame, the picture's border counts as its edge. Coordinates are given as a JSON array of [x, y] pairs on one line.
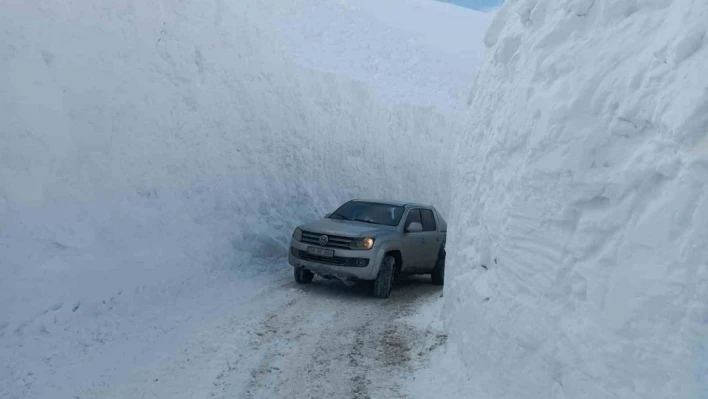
[[414, 227], [328, 215]]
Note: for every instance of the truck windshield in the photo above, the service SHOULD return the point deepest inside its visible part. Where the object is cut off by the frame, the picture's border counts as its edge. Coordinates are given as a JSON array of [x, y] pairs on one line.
[[369, 212]]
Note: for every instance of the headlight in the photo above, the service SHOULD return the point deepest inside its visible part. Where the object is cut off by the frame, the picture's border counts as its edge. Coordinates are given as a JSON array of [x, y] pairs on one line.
[[297, 234], [362, 243]]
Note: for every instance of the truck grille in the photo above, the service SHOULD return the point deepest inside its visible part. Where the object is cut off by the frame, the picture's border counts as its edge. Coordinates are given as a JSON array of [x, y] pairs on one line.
[[309, 237], [337, 260]]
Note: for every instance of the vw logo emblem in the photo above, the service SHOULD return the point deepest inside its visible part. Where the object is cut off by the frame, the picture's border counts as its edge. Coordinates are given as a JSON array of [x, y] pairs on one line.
[[324, 240]]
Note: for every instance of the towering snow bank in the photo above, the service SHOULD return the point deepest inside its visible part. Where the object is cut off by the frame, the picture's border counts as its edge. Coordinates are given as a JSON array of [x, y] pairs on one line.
[[413, 52], [153, 154], [579, 264]]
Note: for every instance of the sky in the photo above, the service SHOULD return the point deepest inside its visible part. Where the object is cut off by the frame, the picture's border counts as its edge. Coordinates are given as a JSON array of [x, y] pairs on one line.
[[476, 4]]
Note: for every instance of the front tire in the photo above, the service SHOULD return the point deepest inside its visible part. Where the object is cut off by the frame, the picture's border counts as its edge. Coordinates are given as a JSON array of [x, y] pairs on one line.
[[438, 275], [384, 281], [303, 276]]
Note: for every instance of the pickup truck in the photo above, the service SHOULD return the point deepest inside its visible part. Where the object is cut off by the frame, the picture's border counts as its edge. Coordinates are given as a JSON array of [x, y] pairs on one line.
[[372, 241]]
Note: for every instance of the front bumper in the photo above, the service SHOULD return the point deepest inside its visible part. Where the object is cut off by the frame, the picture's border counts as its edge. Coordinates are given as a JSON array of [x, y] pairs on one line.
[[346, 264]]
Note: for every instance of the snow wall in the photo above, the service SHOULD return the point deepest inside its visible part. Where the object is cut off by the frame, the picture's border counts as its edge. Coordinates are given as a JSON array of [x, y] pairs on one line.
[[578, 260], [154, 151]]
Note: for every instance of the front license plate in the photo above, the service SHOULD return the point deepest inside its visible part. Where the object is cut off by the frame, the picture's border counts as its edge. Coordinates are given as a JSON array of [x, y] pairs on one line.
[[326, 253]]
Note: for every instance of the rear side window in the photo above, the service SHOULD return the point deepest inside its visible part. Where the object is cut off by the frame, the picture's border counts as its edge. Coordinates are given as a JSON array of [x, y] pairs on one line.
[[428, 219]]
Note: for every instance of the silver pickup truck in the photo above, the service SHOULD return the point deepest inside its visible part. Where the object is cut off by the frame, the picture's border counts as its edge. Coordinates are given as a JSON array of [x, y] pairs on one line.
[[371, 240]]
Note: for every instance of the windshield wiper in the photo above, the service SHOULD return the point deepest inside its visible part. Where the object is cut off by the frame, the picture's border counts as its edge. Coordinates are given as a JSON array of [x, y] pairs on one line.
[[340, 215], [365, 221]]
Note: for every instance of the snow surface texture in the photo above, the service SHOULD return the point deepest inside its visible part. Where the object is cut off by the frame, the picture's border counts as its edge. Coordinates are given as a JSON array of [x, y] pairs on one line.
[[417, 52], [155, 156], [578, 262]]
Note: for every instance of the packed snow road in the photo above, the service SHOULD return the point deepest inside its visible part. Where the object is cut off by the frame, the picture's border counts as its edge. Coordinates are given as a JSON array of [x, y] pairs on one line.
[[331, 340], [326, 339]]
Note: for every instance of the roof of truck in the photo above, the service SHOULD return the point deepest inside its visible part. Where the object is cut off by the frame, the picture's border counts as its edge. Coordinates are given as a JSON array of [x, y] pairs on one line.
[[394, 203]]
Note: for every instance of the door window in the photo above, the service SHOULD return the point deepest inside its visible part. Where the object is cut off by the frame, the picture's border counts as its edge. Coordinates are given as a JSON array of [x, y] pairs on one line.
[[428, 219], [413, 216]]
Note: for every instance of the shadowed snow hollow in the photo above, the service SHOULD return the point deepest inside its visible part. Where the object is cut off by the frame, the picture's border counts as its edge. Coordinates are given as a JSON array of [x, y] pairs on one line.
[[579, 264], [154, 154]]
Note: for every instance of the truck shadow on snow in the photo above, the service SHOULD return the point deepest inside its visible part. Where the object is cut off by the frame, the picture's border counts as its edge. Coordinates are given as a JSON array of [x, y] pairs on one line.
[[404, 289]]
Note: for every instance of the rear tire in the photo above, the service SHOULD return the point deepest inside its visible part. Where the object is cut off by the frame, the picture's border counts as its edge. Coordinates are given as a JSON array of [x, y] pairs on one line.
[[303, 276], [384, 281], [438, 274]]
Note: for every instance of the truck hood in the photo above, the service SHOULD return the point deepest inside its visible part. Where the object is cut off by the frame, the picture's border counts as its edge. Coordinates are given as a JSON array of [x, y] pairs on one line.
[[347, 228]]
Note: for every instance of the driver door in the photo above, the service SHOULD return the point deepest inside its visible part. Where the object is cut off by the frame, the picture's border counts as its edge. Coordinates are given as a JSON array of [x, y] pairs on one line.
[[412, 243]]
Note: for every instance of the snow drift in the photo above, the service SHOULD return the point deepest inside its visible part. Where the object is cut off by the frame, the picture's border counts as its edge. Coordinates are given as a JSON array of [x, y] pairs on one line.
[[155, 154], [578, 265]]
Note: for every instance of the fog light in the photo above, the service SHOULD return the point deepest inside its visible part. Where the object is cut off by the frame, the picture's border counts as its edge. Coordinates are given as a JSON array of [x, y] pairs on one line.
[[361, 262]]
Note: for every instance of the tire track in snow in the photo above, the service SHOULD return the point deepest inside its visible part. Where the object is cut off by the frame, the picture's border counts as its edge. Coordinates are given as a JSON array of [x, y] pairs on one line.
[[332, 340], [324, 340]]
